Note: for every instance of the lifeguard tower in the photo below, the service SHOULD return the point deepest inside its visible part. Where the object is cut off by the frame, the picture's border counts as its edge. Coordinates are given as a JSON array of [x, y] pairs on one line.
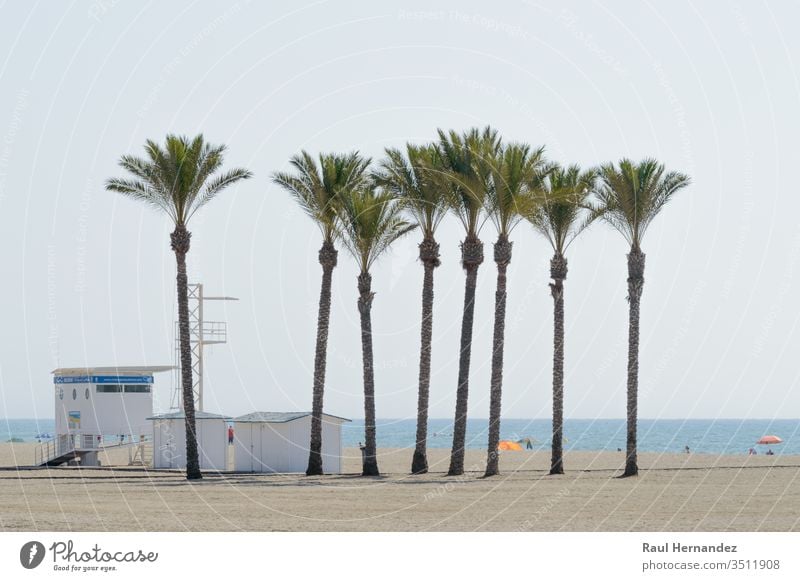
[[96, 408]]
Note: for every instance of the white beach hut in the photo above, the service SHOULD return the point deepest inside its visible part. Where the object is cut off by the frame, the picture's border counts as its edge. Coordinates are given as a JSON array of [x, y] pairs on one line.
[[278, 442], [169, 440]]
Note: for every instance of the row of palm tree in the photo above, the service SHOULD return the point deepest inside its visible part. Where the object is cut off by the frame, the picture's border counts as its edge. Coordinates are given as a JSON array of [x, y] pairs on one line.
[[471, 175]]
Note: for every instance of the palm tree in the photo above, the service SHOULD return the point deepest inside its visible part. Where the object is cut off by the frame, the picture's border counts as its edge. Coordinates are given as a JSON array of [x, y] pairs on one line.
[[467, 162], [412, 178], [370, 222], [317, 188], [630, 196], [509, 197], [558, 217], [179, 180]]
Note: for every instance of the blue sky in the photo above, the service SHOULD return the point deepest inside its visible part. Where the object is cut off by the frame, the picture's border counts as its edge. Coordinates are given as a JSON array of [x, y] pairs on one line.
[[710, 89]]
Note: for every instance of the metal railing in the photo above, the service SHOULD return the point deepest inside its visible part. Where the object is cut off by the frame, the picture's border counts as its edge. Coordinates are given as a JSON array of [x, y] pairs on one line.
[[64, 444]]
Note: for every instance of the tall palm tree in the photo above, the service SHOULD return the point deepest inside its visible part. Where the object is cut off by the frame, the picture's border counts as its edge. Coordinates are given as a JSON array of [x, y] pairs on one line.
[[467, 161], [630, 196], [317, 188], [370, 222], [179, 179], [564, 194], [412, 178], [508, 198]]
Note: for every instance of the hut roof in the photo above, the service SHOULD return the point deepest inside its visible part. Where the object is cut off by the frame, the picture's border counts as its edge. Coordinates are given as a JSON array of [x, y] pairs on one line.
[[179, 415], [278, 417], [112, 370]]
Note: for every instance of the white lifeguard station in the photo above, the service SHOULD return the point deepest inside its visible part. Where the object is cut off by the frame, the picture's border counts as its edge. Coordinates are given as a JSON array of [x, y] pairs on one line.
[[97, 407], [278, 442]]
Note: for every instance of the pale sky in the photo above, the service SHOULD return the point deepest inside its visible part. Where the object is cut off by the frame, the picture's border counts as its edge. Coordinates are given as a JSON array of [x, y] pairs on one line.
[[709, 88]]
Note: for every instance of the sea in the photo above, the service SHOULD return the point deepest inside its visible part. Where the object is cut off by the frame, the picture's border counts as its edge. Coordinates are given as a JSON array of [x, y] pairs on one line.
[[720, 436]]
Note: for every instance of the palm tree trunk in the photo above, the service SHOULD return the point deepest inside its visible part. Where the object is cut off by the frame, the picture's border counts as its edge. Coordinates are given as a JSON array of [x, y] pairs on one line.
[[370, 464], [558, 272], [502, 256], [327, 258], [429, 256], [181, 240], [635, 287], [471, 258]]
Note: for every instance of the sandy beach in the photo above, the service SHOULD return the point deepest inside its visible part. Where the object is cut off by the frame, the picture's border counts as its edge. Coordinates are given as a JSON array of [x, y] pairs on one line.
[[694, 492]]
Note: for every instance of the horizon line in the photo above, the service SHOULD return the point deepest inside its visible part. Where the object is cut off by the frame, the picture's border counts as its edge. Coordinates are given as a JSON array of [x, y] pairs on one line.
[[528, 419]]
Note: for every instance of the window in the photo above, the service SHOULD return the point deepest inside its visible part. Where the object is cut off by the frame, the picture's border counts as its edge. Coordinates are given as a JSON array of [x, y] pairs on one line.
[[87, 393], [74, 393], [114, 388]]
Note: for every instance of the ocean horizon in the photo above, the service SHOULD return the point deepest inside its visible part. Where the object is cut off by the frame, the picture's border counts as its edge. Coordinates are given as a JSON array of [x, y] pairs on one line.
[[708, 436]]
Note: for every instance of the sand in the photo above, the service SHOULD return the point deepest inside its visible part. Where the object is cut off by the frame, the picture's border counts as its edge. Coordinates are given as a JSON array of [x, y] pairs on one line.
[[673, 492]]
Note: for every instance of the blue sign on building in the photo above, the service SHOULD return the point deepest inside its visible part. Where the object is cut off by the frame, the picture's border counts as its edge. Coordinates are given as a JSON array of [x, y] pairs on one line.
[[103, 379]]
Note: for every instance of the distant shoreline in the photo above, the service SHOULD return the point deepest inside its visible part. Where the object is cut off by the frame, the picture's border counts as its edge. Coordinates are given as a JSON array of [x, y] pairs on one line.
[[515, 419], [718, 436]]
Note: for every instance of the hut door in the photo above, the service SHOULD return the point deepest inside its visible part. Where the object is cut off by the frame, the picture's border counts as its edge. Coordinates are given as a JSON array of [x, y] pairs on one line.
[[253, 448], [258, 453]]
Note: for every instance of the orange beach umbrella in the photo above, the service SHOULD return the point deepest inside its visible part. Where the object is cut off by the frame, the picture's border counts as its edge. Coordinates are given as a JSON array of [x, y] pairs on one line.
[[509, 446], [769, 440]]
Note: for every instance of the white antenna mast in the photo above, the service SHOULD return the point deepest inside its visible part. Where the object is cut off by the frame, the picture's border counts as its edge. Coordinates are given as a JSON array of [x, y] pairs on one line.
[[201, 333]]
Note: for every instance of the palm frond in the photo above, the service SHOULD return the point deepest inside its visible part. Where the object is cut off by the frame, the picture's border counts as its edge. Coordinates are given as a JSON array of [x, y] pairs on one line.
[[175, 178], [465, 181], [317, 186], [143, 192], [631, 195], [216, 185], [370, 222], [207, 160], [512, 193], [562, 211], [413, 179]]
